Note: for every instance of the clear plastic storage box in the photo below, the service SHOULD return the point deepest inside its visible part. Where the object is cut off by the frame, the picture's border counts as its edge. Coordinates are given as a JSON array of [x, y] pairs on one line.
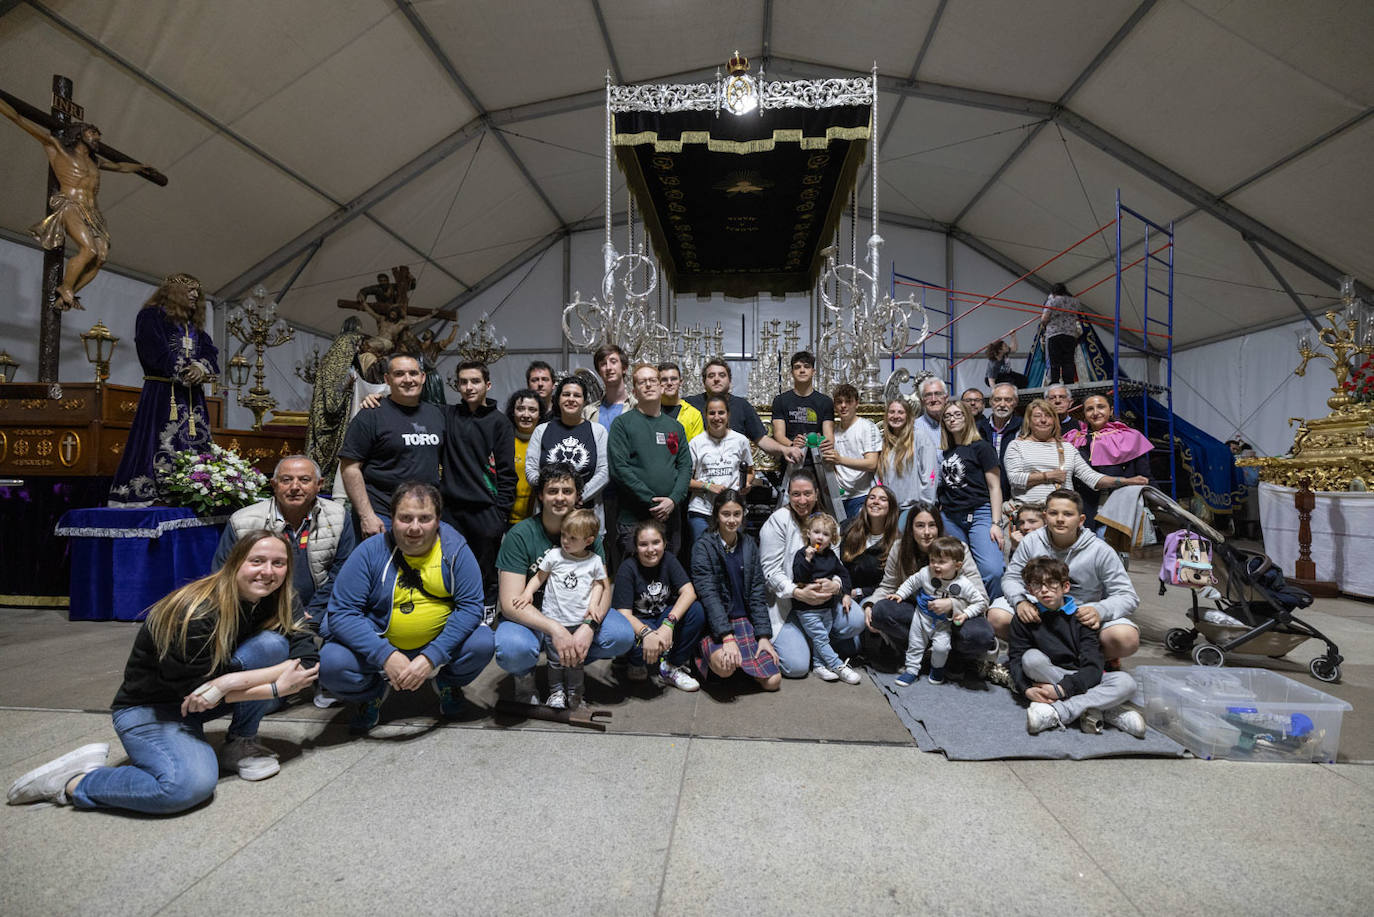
[[1241, 714]]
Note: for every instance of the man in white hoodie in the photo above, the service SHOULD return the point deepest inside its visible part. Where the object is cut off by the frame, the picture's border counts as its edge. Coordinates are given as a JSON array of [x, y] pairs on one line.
[[1101, 587]]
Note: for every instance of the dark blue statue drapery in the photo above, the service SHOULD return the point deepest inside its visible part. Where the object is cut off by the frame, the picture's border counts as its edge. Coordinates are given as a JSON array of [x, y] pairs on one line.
[[177, 357]]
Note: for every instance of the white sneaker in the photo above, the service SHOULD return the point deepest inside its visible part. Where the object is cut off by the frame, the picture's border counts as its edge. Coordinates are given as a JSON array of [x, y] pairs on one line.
[[558, 700], [49, 782], [677, 676], [248, 759], [637, 672], [848, 675], [1125, 719], [525, 690], [824, 673], [488, 615], [323, 699], [1040, 717]]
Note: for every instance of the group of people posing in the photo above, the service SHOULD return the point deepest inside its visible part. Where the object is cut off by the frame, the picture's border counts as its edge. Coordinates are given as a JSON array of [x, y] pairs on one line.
[[474, 534]]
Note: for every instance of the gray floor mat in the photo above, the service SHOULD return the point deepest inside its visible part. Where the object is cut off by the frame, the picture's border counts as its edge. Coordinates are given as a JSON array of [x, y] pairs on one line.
[[982, 722]]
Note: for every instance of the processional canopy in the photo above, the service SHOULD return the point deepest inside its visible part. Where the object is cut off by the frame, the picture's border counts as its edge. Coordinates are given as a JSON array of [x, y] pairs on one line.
[[742, 181]]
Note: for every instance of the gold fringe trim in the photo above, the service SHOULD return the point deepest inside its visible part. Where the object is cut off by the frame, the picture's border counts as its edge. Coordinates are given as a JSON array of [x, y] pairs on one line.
[[35, 601], [762, 145]]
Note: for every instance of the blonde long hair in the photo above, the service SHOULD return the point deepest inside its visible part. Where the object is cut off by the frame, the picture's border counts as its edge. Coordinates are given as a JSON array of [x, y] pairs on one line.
[[899, 449], [217, 596], [1048, 408]]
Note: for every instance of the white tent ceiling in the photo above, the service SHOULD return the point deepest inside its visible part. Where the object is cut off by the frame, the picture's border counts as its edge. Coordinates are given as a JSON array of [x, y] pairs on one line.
[[340, 137]]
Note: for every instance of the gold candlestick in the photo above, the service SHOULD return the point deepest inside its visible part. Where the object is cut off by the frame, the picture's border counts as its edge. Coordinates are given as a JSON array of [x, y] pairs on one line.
[[255, 323]]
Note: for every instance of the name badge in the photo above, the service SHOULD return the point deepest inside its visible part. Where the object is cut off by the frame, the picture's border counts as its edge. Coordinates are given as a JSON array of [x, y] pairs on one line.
[[661, 439]]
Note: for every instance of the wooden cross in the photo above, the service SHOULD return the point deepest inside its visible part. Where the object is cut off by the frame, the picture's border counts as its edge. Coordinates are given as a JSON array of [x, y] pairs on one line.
[[63, 113]]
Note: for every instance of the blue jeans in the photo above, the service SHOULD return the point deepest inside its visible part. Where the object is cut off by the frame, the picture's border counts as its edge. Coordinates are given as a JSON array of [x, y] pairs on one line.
[[817, 623], [975, 530], [517, 647], [698, 525], [794, 651], [171, 767], [350, 677], [852, 505], [686, 633]]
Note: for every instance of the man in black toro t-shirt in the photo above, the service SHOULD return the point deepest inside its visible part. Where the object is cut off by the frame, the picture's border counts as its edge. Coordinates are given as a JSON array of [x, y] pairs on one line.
[[384, 448], [802, 411]]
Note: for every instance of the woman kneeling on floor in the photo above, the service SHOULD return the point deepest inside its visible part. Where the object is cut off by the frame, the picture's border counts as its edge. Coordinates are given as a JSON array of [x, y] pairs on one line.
[[222, 638], [729, 582]]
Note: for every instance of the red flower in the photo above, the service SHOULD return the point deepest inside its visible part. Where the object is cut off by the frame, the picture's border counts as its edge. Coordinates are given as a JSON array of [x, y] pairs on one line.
[[673, 443]]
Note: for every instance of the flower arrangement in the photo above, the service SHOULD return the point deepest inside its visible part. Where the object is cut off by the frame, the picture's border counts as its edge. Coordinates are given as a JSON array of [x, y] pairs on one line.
[[211, 481], [1360, 385]]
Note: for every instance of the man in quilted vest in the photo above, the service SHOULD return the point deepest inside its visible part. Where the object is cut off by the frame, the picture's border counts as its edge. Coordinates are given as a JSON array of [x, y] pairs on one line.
[[319, 529]]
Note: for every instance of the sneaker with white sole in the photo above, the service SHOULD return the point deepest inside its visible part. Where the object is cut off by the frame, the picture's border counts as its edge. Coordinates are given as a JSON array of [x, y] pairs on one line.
[[907, 678], [452, 704], [994, 672], [677, 676], [1125, 719], [558, 700], [49, 782], [525, 690], [243, 755], [848, 675], [637, 672], [323, 699], [1040, 717], [824, 673]]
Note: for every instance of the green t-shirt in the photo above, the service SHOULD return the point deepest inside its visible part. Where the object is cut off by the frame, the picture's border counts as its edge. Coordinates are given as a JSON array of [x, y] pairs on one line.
[[526, 543]]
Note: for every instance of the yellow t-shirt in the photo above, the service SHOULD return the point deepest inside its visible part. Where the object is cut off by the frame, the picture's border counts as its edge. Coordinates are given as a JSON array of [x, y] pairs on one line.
[[524, 494], [692, 422], [417, 627]]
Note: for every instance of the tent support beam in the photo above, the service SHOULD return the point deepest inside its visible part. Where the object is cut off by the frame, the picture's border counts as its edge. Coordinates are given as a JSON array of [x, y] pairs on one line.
[[606, 39], [1077, 84], [1283, 282], [408, 11]]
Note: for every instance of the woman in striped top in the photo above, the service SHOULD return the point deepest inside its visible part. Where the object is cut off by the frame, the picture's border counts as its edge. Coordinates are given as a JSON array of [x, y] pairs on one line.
[[1039, 461]]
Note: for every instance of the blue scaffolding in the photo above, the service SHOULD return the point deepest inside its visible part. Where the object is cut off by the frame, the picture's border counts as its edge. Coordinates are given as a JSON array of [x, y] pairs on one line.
[[927, 352], [1151, 326]]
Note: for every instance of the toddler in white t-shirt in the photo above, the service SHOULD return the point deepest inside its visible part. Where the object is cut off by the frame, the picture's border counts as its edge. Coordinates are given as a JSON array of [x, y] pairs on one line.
[[574, 581]]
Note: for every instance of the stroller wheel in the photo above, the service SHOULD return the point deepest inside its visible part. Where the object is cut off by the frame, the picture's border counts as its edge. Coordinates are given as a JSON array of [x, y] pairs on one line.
[[1323, 669], [1208, 655], [1179, 640]]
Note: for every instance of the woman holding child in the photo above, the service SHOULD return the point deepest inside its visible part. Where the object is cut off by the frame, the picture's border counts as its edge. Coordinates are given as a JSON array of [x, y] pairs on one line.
[[891, 617], [216, 646], [730, 584]]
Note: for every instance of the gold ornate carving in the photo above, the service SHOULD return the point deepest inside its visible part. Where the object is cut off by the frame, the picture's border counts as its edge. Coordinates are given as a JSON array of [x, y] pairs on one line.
[[32, 431], [45, 447], [22, 447], [4, 445], [32, 404], [38, 462], [75, 404], [128, 407]]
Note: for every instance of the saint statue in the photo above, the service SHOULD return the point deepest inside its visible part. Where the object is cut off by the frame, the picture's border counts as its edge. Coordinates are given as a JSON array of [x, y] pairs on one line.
[[72, 154], [177, 357], [331, 402], [431, 349]]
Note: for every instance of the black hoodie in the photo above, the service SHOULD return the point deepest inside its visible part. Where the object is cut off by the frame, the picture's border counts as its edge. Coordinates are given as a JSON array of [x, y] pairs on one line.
[[479, 458]]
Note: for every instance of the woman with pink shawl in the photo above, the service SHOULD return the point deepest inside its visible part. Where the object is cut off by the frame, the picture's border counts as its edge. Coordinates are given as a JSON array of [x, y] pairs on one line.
[[1111, 448]]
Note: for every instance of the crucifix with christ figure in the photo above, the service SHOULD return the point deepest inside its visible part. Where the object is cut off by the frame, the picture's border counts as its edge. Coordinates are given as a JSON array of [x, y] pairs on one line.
[[76, 157]]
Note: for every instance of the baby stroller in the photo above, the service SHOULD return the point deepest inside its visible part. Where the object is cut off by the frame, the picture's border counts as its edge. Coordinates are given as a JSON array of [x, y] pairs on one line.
[[1255, 612]]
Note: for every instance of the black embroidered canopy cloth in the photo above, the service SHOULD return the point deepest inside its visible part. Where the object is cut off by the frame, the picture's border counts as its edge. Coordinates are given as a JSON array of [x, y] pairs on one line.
[[742, 205]]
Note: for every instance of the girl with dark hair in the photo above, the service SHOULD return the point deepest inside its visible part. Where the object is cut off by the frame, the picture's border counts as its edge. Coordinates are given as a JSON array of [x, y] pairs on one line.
[[868, 538], [730, 584], [222, 639], [569, 438], [654, 594]]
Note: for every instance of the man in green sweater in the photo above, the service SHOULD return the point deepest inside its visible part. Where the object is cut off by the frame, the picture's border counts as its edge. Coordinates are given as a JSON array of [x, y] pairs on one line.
[[650, 462]]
